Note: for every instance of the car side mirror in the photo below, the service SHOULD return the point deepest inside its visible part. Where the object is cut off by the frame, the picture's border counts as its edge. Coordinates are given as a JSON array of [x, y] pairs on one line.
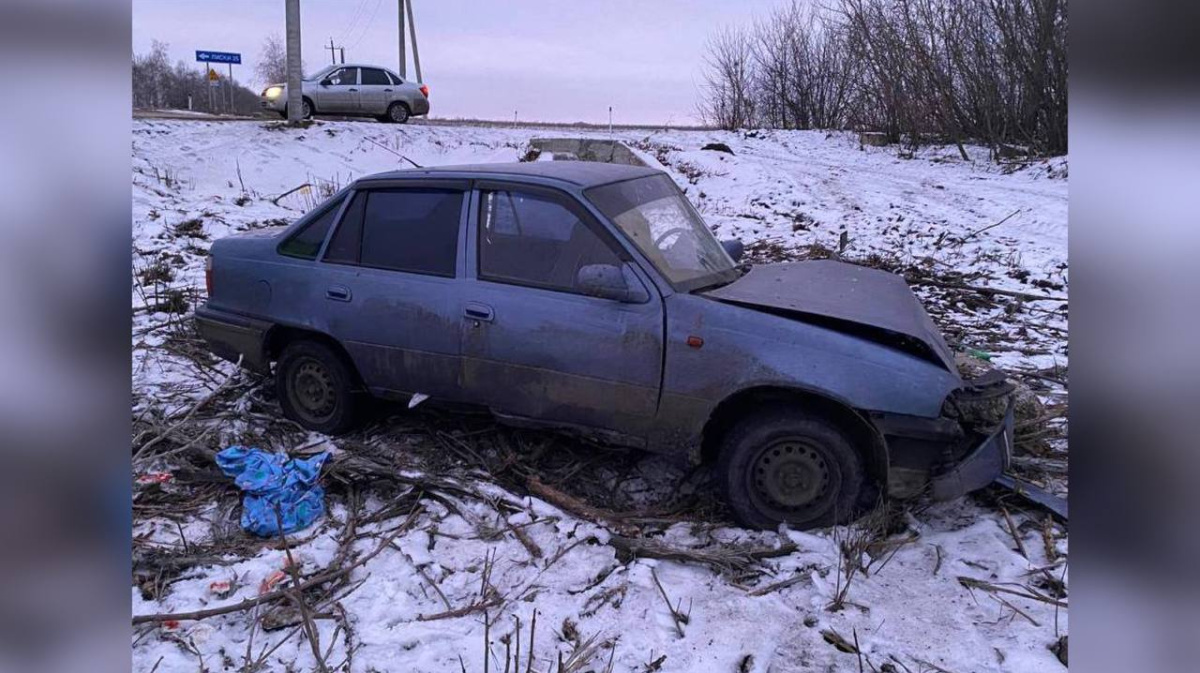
[[734, 248], [608, 281], [326, 82]]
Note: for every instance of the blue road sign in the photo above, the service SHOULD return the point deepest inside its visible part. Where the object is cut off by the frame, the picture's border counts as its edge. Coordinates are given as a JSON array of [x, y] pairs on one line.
[[218, 57]]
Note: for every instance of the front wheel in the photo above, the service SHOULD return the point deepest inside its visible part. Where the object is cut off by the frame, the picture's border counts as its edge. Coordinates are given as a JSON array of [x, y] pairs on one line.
[[306, 109], [316, 387], [783, 465], [398, 113]]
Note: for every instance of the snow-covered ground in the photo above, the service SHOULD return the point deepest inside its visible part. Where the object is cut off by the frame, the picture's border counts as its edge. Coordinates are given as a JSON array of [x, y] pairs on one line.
[[928, 216]]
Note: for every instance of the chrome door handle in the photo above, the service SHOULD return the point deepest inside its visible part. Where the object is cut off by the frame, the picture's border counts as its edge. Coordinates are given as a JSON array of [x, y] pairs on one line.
[[338, 293]]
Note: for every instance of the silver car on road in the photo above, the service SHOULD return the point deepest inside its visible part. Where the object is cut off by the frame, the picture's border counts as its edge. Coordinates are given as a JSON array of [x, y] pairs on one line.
[[354, 90]]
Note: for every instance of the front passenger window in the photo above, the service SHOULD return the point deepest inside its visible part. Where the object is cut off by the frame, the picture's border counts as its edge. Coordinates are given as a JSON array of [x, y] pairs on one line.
[[529, 239], [344, 77]]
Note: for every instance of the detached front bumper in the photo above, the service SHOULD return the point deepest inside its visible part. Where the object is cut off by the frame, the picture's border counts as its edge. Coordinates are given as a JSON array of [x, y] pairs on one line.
[[963, 450], [980, 467]]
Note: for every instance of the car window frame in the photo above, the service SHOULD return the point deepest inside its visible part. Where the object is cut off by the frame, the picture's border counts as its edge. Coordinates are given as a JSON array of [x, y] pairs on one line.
[[310, 218], [462, 186], [363, 69], [357, 75], [570, 201]]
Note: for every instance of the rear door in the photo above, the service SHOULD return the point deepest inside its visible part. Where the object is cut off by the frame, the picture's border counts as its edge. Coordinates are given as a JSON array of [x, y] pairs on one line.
[[536, 348], [393, 294], [375, 91], [341, 95]]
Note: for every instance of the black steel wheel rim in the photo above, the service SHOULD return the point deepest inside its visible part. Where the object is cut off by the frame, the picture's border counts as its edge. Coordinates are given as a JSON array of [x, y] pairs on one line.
[[793, 478], [312, 389]]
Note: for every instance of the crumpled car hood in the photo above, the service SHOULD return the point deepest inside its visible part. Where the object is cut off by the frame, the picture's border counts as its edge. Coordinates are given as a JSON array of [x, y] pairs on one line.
[[868, 302]]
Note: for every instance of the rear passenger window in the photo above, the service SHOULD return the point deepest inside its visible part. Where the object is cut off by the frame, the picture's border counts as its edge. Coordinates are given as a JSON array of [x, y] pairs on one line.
[[306, 243], [373, 76], [526, 239], [413, 230]]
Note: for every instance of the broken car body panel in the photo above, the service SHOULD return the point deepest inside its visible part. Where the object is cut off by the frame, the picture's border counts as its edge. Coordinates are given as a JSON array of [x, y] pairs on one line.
[[648, 366], [846, 295]]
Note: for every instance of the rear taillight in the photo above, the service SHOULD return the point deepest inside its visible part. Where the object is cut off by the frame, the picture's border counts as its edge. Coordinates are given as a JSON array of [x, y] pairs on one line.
[[425, 90], [208, 276]]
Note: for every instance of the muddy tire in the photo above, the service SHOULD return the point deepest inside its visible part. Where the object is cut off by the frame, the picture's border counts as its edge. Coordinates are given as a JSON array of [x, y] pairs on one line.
[[316, 387], [783, 465]]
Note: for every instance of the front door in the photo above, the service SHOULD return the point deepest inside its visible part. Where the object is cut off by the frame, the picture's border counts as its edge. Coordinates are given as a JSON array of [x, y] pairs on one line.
[[392, 293], [341, 94], [536, 348]]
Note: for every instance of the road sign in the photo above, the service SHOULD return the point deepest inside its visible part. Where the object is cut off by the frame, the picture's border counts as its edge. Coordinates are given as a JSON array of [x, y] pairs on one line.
[[213, 76], [218, 57]]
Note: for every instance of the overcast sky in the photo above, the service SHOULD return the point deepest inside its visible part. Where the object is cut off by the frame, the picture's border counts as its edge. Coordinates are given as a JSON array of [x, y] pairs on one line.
[[548, 60]]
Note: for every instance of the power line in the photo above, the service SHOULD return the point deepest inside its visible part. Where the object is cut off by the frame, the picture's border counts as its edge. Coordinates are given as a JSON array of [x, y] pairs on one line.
[[358, 11], [367, 26]]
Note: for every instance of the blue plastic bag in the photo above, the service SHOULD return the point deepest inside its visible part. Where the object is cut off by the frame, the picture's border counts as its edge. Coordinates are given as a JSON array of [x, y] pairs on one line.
[[275, 483]]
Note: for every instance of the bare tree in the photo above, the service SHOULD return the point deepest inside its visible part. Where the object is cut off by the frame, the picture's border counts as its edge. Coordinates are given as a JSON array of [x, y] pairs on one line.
[[272, 61], [158, 85], [990, 71], [728, 80]]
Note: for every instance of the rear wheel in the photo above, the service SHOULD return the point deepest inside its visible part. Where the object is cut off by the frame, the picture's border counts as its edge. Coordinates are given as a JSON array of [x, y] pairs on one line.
[[316, 387], [783, 465], [398, 113]]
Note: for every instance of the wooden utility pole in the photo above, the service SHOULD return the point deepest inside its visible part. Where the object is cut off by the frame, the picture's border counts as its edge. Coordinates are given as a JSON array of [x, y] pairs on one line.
[[295, 95], [333, 52]]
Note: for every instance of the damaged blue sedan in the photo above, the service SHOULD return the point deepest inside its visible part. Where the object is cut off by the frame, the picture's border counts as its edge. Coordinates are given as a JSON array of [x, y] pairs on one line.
[[592, 298]]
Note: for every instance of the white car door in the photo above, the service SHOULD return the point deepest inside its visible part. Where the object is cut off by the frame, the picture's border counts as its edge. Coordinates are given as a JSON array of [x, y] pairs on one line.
[[338, 93]]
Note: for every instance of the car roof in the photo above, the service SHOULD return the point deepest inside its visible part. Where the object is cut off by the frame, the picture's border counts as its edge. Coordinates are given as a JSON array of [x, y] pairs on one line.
[[582, 173], [335, 66]]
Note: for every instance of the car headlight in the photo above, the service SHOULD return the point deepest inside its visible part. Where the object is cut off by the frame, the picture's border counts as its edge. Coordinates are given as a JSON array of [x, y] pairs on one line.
[[273, 92]]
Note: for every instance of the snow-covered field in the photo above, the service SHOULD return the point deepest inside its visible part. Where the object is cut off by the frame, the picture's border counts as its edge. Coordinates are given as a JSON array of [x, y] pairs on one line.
[[787, 194]]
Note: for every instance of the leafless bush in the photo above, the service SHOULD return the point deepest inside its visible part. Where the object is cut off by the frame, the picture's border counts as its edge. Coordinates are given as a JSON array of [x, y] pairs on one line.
[[991, 71]]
